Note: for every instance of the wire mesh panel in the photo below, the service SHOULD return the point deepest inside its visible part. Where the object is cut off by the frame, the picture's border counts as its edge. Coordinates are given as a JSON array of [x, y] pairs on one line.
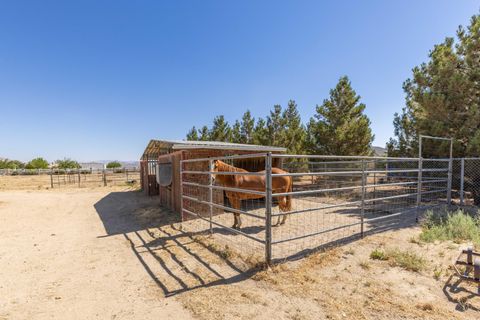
[[220, 197], [289, 205], [339, 198]]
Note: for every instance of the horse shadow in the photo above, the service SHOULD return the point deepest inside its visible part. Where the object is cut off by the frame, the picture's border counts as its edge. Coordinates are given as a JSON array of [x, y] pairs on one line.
[[174, 259]]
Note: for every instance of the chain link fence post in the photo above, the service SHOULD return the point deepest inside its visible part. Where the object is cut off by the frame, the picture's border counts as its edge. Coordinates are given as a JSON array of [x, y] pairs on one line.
[[268, 208], [419, 187], [462, 181], [449, 183]]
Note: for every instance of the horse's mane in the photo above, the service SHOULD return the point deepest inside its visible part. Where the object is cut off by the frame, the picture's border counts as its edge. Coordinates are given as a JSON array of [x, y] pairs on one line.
[[222, 166]]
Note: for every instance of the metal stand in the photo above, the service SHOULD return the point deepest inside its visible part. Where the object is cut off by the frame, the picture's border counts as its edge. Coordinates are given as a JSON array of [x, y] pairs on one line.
[[471, 263]]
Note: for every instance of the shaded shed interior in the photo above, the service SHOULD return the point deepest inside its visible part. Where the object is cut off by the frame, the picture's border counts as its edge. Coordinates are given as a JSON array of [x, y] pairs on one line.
[[170, 153]]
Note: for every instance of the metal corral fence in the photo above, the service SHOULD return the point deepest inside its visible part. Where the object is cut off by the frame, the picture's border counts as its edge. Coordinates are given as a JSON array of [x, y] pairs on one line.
[[56, 178], [331, 198]]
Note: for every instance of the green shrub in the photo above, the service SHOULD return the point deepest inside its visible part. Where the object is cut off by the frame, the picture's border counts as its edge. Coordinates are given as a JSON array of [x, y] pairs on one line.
[[457, 226], [378, 254], [37, 163], [67, 163], [113, 165], [404, 259]]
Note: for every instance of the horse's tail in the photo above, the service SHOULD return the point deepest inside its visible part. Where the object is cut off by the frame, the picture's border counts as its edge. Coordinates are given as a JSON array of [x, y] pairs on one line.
[[288, 200]]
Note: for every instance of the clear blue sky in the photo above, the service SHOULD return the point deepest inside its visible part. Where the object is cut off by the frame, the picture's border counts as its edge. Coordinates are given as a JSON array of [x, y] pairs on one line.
[[97, 79]]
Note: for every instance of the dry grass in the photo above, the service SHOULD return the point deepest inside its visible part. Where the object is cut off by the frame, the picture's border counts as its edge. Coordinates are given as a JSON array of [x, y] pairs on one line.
[[405, 259]]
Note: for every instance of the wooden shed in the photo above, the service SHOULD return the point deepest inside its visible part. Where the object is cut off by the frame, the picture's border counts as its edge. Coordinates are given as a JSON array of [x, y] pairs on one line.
[[171, 152]]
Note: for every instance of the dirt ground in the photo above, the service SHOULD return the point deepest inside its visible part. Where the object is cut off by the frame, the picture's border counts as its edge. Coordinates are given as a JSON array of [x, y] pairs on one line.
[[113, 253]]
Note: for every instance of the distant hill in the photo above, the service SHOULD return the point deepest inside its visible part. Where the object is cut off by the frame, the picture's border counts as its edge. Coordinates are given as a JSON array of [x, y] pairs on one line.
[[379, 151]]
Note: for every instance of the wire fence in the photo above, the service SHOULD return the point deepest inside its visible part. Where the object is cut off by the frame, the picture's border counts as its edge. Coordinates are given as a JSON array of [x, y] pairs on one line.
[[293, 204], [466, 182], [58, 178]]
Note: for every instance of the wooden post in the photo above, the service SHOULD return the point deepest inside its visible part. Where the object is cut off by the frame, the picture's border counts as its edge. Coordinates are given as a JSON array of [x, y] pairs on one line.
[[51, 178], [104, 178]]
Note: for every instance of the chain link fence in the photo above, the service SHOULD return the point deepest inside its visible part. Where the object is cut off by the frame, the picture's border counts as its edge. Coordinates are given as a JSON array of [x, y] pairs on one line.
[[466, 182]]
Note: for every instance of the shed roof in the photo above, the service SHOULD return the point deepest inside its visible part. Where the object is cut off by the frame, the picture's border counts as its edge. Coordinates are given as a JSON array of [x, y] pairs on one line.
[[158, 147]]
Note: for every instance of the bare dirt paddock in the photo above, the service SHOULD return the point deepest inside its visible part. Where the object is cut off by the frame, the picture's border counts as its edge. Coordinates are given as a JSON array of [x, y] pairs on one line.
[[112, 253]]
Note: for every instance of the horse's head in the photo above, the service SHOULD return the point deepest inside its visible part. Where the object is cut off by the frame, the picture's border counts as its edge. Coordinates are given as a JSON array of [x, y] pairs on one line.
[[218, 166], [215, 168]]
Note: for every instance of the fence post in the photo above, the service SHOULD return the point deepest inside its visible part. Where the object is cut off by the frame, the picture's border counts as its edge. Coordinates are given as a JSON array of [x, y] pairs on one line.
[[449, 183], [104, 178], [363, 198], [462, 180], [268, 208], [181, 188], [210, 192], [51, 178], [126, 175], [419, 187], [79, 177]]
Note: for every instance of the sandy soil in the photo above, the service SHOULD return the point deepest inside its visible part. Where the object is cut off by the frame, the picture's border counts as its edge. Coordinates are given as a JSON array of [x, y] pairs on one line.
[[58, 261], [112, 253]]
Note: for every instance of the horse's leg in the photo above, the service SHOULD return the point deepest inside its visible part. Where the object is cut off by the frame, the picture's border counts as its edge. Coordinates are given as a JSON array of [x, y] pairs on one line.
[[282, 203], [236, 205]]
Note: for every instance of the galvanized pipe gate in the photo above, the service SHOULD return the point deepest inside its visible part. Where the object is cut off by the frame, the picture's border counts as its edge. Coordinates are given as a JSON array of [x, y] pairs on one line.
[[426, 177]]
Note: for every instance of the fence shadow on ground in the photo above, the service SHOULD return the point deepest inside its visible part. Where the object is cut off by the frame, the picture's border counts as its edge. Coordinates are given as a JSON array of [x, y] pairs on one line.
[[175, 260]]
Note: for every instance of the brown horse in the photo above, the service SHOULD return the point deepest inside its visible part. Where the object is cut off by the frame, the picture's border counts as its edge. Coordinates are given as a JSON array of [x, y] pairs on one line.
[[252, 182]]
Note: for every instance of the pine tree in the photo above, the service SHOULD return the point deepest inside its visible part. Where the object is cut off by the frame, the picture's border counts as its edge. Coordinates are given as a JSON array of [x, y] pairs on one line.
[[293, 133], [443, 99], [339, 126], [192, 135], [221, 130], [247, 127], [260, 133], [204, 134], [236, 133], [275, 126]]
